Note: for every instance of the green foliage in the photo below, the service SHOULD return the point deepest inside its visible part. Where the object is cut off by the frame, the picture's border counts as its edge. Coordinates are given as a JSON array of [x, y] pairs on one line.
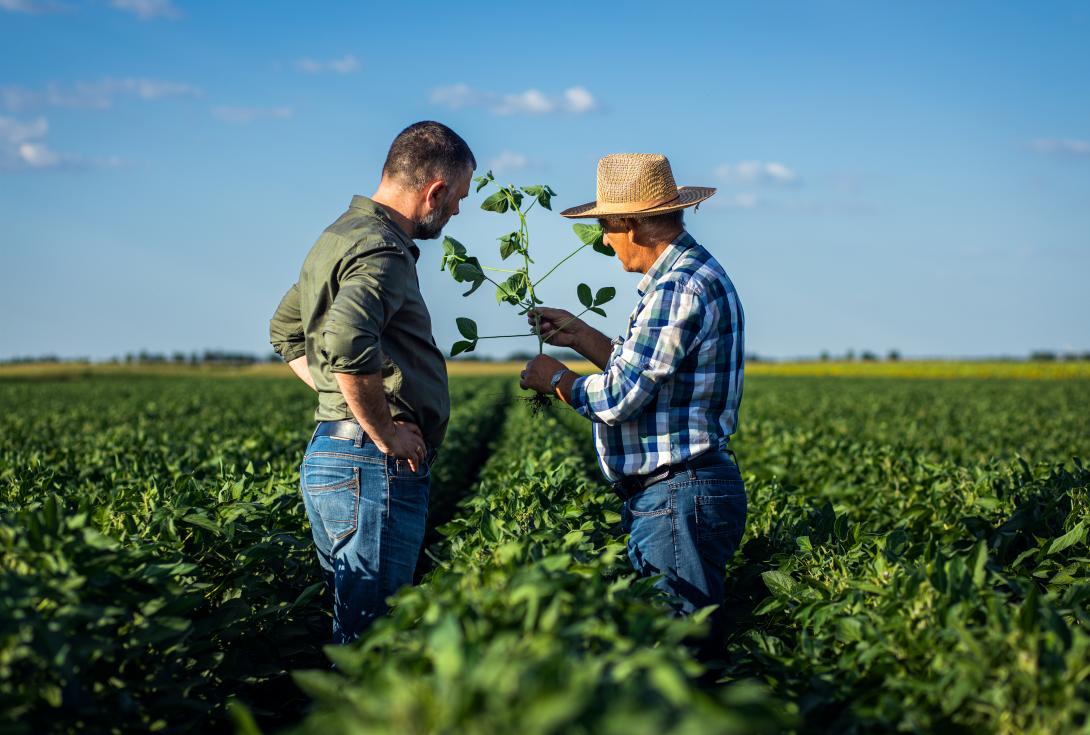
[[915, 559], [155, 560], [594, 236], [532, 621], [517, 288]]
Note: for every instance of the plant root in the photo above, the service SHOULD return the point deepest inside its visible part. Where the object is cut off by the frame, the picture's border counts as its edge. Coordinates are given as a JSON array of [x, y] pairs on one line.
[[539, 403]]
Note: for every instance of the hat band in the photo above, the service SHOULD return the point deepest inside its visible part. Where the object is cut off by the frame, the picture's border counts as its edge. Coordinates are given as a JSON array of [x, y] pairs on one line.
[[627, 207]]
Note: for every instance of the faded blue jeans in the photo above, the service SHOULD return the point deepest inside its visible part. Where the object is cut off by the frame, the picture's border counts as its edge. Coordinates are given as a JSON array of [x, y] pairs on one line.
[[686, 529], [367, 513]]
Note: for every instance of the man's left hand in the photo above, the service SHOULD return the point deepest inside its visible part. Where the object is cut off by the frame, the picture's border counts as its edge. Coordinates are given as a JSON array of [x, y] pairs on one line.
[[539, 373]]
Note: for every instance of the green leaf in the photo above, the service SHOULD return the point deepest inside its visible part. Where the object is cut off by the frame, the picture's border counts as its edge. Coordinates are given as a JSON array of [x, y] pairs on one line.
[[453, 254], [496, 203], [512, 290], [598, 311], [781, 584], [204, 522], [462, 346], [509, 245], [1075, 536], [592, 235], [483, 181], [467, 327], [588, 234], [585, 297], [604, 295], [543, 194], [469, 271]]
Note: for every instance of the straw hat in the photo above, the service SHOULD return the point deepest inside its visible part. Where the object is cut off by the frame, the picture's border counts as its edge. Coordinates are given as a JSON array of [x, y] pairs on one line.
[[638, 185]]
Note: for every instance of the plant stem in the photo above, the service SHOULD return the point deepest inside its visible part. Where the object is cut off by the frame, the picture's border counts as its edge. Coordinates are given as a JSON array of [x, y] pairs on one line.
[[524, 233], [560, 329], [506, 336], [566, 258], [498, 270]]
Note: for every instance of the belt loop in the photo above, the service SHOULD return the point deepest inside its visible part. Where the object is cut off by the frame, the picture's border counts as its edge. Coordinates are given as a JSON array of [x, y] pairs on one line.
[[690, 470], [359, 436]]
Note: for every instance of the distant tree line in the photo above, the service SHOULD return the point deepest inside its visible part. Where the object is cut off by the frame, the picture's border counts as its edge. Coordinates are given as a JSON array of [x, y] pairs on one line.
[[207, 357], [228, 358]]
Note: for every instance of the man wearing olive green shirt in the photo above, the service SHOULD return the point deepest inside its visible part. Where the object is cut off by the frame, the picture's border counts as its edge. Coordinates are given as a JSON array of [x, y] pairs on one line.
[[355, 328]]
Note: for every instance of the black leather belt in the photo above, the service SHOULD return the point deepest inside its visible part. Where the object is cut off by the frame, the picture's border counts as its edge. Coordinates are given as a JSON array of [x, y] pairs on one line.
[[349, 430], [346, 429], [632, 485]]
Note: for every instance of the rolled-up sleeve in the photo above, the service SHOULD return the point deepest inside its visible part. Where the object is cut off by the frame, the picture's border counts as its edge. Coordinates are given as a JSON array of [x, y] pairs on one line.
[[286, 327], [665, 331], [370, 291]]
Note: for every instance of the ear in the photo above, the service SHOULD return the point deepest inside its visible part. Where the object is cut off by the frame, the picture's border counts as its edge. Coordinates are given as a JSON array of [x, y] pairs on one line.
[[433, 193], [631, 225]]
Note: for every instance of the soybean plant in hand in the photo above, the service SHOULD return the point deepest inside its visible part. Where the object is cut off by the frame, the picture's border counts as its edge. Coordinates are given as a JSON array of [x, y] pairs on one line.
[[515, 285]]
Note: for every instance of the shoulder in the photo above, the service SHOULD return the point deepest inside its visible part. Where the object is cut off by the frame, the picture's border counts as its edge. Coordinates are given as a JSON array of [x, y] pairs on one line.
[[698, 272], [369, 245]]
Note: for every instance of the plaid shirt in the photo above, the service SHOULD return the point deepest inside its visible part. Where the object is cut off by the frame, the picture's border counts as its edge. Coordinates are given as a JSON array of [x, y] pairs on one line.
[[672, 386]]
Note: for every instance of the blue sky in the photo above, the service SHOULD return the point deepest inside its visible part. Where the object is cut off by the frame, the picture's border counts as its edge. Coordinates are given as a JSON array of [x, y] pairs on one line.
[[911, 176]]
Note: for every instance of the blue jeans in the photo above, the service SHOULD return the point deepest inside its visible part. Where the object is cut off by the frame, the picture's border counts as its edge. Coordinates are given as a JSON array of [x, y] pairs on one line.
[[367, 513], [686, 529]]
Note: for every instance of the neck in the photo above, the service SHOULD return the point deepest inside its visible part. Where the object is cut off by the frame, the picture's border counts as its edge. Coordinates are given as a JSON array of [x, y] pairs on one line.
[[651, 255], [397, 207]]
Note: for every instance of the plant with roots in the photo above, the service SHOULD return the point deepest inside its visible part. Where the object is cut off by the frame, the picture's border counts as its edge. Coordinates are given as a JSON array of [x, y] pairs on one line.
[[516, 286]]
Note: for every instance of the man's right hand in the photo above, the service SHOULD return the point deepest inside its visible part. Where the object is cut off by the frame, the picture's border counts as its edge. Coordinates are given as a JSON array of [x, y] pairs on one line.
[[560, 328], [405, 443]]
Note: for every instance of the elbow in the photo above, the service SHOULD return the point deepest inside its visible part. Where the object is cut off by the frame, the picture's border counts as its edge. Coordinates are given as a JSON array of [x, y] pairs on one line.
[[357, 354], [617, 415]]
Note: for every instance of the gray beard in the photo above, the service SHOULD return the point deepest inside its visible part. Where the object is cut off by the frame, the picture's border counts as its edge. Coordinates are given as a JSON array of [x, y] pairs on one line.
[[431, 226]]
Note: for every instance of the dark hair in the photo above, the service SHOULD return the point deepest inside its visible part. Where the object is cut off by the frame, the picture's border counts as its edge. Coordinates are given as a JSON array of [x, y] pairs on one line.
[[426, 151], [656, 226]]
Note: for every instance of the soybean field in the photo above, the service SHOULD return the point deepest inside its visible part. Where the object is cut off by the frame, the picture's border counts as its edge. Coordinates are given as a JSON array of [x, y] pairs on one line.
[[915, 560]]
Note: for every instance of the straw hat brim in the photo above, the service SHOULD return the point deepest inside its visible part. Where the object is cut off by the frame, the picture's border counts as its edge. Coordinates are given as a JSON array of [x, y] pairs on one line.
[[687, 196]]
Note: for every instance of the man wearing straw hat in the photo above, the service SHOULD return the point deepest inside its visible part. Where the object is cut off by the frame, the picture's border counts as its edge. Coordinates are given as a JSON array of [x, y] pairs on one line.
[[666, 402]]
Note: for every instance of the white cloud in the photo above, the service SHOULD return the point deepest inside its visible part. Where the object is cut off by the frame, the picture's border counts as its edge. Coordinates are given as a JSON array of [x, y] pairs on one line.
[[579, 100], [507, 162], [23, 148], [742, 200], [1061, 146], [345, 65], [530, 102], [96, 95], [148, 9], [246, 115], [32, 7], [756, 172], [573, 101]]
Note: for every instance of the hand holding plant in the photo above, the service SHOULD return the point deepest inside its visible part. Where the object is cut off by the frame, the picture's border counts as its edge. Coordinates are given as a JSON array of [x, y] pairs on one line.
[[516, 286]]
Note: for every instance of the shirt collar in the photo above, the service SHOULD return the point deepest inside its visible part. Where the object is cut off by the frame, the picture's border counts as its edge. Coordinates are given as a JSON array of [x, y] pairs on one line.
[[374, 209], [665, 261]]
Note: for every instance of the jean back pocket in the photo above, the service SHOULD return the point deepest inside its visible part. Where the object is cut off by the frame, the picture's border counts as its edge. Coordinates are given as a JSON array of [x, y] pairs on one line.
[[334, 494]]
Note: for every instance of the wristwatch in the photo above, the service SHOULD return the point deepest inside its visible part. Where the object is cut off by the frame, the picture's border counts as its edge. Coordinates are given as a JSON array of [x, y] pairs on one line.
[[556, 378]]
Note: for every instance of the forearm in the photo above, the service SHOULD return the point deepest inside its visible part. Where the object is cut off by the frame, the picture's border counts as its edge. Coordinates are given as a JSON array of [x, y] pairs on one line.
[[594, 346], [564, 386], [367, 401], [301, 369]]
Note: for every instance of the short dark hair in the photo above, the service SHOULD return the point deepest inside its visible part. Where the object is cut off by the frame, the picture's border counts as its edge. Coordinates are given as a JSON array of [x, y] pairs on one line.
[[655, 226], [426, 151]]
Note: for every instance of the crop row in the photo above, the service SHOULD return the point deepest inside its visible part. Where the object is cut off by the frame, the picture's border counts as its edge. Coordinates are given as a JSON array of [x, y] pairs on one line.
[[904, 569], [533, 621], [154, 556]]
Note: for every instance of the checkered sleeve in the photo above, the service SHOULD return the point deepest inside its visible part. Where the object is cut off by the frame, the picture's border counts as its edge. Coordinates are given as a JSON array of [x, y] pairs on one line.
[[666, 329]]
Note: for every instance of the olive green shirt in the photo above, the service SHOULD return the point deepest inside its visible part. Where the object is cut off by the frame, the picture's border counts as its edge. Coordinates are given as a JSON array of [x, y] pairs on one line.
[[357, 308]]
